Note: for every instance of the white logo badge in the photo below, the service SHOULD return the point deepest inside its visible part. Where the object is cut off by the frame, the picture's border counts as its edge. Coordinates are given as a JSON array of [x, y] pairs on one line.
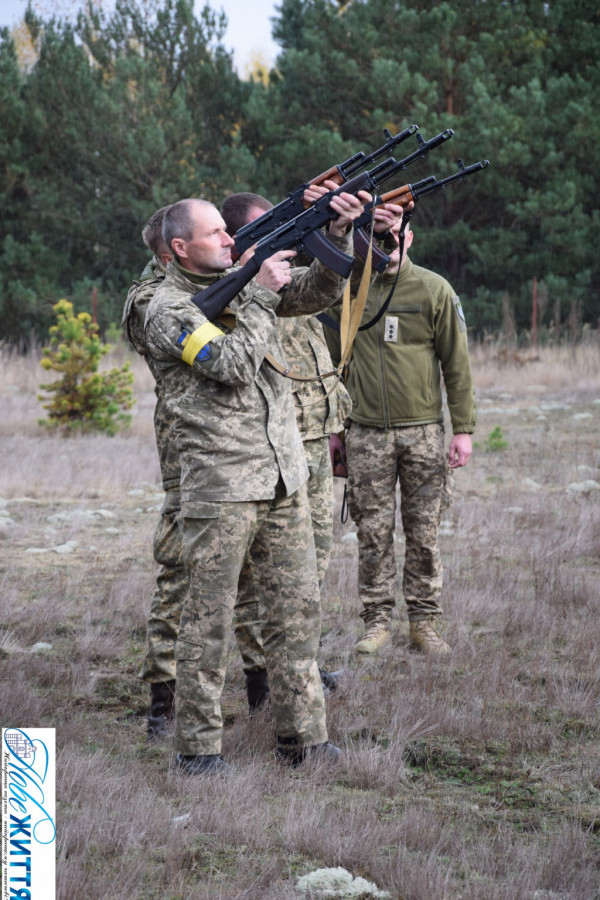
[[390, 330]]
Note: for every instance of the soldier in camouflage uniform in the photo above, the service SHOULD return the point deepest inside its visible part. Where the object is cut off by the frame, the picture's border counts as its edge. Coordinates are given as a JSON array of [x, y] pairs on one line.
[[396, 435], [158, 668], [319, 414], [243, 477], [321, 407]]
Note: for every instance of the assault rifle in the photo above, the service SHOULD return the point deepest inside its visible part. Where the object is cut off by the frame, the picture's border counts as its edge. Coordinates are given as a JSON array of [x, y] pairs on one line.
[[294, 203], [402, 196], [303, 232]]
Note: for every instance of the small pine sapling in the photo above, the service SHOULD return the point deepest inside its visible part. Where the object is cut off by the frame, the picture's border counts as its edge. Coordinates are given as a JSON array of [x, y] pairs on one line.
[[83, 399], [495, 441]]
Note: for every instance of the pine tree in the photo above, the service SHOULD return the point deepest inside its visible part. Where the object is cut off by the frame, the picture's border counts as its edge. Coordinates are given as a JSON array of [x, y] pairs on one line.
[[83, 399]]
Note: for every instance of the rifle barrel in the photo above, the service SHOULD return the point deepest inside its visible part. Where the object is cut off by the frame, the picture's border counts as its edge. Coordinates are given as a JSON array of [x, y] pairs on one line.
[[296, 230], [419, 190], [403, 195], [294, 203]]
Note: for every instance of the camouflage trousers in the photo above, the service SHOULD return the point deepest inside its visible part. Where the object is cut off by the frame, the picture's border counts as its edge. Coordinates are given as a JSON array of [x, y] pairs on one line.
[[248, 620], [172, 585], [216, 539], [171, 591], [378, 459], [320, 498], [248, 611]]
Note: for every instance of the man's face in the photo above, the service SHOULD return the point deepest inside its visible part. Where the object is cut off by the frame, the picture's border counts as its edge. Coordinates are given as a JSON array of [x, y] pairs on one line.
[[209, 250]]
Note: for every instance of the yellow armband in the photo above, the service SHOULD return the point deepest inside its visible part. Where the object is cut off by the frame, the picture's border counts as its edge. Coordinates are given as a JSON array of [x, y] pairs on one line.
[[197, 344]]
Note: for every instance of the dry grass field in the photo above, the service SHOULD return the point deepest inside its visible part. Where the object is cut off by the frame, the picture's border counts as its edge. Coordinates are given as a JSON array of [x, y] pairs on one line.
[[471, 778]]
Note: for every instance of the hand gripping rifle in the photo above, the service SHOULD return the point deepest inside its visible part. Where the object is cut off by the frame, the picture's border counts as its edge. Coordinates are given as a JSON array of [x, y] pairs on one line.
[[402, 196], [294, 203], [303, 232]]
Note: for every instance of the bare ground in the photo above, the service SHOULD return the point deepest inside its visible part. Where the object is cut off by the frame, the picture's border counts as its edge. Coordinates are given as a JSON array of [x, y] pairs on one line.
[[472, 778]]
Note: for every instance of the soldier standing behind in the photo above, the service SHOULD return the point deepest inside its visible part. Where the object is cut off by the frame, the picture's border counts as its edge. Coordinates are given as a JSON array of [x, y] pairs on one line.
[[396, 435], [158, 668], [321, 407]]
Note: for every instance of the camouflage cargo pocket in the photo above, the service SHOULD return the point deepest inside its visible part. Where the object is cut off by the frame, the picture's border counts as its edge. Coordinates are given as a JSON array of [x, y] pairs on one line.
[[188, 650]]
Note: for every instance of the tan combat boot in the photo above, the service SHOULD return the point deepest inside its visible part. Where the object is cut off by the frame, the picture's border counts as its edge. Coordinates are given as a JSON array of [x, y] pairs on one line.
[[377, 635], [424, 637]]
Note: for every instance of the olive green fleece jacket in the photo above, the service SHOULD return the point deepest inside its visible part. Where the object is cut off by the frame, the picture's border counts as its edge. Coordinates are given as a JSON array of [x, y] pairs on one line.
[[395, 383]]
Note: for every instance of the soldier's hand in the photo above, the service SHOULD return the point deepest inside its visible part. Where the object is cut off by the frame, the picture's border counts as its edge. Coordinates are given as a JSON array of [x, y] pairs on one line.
[[460, 451], [389, 214], [275, 272], [347, 206], [314, 191]]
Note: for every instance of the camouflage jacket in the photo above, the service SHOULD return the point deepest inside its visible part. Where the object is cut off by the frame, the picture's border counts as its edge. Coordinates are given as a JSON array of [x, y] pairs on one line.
[[235, 424], [134, 313], [138, 297], [321, 406]]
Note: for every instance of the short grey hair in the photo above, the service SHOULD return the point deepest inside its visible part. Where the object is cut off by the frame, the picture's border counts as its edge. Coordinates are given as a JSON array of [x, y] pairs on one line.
[[178, 221]]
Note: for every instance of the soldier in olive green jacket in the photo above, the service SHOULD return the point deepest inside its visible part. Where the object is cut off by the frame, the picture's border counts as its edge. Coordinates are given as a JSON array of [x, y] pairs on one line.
[[396, 435]]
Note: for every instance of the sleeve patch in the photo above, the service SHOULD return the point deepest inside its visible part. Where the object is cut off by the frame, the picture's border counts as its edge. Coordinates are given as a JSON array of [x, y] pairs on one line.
[[462, 324], [197, 344]]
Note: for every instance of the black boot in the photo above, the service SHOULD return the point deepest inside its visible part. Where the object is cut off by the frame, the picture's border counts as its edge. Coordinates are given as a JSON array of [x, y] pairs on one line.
[[202, 765], [162, 703], [294, 756], [257, 689], [330, 680]]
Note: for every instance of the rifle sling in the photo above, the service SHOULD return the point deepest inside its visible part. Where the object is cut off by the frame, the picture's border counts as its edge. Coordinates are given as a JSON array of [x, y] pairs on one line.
[[386, 302], [384, 306], [336, 326], [351, 316], [353, 313], [227, 318]]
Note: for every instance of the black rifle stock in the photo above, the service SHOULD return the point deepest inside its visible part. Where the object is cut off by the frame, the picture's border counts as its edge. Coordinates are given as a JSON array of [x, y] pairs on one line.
[[402, 196], [303, 232], [294, 203]]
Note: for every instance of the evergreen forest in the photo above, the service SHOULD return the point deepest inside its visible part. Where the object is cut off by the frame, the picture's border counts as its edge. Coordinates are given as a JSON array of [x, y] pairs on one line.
[[110, 115]]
